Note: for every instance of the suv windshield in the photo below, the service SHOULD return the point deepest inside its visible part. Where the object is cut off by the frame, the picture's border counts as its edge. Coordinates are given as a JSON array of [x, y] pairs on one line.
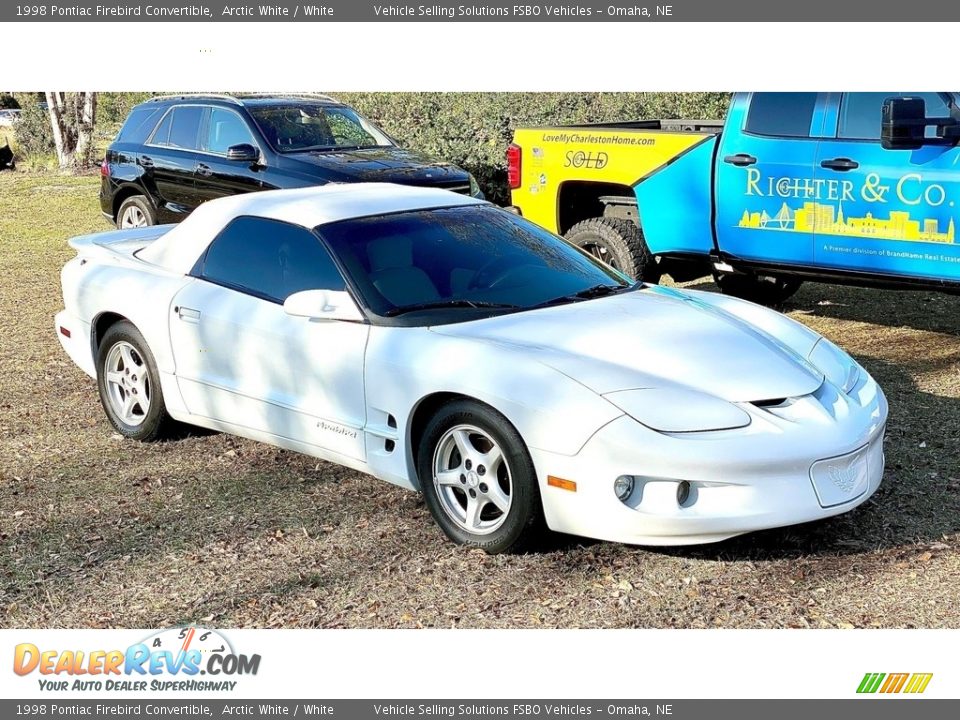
[[295, 127], [465, 260]]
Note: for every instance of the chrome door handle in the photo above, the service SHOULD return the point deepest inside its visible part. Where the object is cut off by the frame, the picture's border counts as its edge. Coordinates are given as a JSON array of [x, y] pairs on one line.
[[187, 314]]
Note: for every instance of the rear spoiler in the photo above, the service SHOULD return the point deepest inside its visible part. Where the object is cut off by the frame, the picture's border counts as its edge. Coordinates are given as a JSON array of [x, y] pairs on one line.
[[117, 243]]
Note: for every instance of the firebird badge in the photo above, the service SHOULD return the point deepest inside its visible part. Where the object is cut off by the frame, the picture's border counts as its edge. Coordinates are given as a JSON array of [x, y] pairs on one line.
[[844, 478]]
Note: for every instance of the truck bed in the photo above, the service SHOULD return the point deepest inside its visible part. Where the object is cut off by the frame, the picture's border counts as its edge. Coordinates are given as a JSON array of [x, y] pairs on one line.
[[668, 125]]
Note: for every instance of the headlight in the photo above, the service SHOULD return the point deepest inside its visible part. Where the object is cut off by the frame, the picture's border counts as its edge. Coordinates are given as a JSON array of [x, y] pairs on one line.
[[679, 410], [475, 190], [838, 367]]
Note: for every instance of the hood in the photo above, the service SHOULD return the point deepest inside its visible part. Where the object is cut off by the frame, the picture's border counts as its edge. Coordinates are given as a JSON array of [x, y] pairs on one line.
[[653, 338], [382, 164]]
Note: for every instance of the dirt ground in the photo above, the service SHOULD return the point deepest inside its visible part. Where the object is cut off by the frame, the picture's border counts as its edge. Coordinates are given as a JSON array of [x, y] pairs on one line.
[[97, 532]]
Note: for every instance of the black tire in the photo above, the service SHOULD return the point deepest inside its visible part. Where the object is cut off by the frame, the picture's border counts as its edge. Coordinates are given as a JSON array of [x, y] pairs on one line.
[[133, 204], [760, 289], [523, 524], [153, 424], [619, 243]]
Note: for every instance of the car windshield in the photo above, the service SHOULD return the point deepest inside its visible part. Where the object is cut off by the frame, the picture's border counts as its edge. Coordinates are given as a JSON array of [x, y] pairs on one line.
[[298, 127], [463, 261]]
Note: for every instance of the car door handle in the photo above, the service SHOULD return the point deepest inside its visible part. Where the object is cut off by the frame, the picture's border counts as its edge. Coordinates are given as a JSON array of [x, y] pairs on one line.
[[146, 162], [840, 164], [187, 314], [740, 160], [204, 170]]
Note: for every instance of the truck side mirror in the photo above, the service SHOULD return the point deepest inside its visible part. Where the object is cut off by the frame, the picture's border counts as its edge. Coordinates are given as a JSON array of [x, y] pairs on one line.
[[903, 123]]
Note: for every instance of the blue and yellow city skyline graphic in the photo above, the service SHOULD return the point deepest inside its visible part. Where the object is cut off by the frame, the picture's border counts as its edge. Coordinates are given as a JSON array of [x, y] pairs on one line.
[[829, 220]]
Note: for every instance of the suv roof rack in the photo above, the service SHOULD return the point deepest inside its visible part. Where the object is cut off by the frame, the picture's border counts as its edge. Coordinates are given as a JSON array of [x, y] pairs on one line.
[[239, 98], [302, 95], [188, 96]]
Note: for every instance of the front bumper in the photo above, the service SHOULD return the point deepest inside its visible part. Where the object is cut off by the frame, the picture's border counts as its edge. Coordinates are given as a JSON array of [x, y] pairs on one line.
[[823, 460]]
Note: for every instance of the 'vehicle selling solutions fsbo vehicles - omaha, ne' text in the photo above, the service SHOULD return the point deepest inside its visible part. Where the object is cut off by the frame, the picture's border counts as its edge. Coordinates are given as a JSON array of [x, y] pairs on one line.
[[438, 342], [852, 187]]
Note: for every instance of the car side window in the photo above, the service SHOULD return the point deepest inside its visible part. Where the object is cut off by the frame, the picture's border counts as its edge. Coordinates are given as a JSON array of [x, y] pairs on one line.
[[161, 136], [269, 259], [860, 113], [180, 128], [224, 130], [781, 114]]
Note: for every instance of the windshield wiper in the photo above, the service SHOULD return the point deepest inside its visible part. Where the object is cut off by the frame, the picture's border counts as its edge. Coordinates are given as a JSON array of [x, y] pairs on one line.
[[441, 304], [336, 148], [586, 294]]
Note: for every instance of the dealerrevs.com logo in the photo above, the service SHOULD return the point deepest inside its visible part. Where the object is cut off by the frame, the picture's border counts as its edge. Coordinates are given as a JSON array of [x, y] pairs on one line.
[[177, 659]]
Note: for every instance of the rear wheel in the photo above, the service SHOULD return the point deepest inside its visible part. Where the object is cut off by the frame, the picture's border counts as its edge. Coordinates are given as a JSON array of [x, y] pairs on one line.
[[761, 289], [619, 243], [135, 212], [478, 479], [129, 384]]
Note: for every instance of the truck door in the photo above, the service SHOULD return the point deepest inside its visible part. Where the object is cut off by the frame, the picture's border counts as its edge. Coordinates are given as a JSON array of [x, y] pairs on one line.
[[886, 212], [765, 175]]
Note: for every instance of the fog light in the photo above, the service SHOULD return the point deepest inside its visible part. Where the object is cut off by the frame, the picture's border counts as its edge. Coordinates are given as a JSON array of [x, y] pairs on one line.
[[623, 486], [683, 492]]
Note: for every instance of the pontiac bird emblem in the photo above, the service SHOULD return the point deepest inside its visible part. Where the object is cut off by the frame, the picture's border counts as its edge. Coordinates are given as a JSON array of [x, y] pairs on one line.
[[844, 478]]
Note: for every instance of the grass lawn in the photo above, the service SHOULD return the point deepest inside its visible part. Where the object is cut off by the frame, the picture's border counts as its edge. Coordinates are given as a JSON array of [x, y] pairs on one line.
[[96, 531]]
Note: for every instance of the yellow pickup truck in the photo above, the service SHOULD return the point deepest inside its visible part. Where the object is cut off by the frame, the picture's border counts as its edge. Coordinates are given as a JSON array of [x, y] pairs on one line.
[[579, 182]]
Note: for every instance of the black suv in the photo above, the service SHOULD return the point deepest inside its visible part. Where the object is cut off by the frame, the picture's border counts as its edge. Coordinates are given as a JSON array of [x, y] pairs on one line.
[[175, 152]]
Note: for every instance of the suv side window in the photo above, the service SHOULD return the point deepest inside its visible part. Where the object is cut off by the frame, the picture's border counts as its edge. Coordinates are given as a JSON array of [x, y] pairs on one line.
[[781, 114], [269, 259], [224, 130], [180, 128], [860, 113], [137, 127]]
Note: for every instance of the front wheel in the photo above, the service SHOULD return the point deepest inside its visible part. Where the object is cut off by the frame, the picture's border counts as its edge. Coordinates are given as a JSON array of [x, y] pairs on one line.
[[760, 289], [129, 384], [478, 479]]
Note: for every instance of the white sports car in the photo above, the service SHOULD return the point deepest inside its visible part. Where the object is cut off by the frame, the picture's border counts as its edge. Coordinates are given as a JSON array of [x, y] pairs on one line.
[[443, 344]]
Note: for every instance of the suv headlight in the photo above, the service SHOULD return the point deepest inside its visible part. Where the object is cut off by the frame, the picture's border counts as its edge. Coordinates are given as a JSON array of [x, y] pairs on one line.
[[679, 410], [838, 367]]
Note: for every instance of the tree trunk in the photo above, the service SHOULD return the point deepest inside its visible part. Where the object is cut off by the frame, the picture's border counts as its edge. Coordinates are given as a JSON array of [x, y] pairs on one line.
[[73, 118]]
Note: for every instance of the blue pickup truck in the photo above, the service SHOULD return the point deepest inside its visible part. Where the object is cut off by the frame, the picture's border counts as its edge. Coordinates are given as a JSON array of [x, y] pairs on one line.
[[854, 187]]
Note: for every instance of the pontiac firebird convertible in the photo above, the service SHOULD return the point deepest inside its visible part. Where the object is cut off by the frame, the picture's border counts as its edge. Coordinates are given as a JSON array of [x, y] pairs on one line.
[[443, 344]]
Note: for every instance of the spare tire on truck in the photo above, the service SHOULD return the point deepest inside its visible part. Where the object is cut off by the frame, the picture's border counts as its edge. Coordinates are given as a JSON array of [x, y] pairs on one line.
[[617, 242]]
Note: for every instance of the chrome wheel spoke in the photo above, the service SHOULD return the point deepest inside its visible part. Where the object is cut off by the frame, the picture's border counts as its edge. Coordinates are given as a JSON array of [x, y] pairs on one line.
[[127, 357], [448, 477], [114, 377], [474, 508], [498, 497], [126, 410], [491, 461], [462, 440]]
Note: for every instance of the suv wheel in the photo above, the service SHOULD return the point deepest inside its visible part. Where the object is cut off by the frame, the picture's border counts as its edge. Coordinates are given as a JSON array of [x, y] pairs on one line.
[[135, 212]]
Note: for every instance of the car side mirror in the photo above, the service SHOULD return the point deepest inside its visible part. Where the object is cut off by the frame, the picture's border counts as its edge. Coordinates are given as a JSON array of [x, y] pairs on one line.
[[244, 152], [323, 305], [903, 123]]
